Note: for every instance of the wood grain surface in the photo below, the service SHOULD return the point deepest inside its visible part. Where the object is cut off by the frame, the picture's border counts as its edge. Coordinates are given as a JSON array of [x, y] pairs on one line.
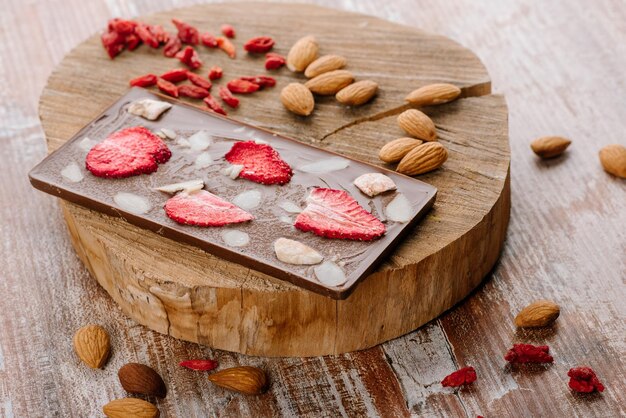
[[560, 64]]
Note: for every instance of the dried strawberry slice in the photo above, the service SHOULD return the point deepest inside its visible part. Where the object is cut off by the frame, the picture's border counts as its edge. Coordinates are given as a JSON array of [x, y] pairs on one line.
[[199, 81], [203, 208], [228, 98], [186, 33], [261, 163], [176, 75], [189, 57]]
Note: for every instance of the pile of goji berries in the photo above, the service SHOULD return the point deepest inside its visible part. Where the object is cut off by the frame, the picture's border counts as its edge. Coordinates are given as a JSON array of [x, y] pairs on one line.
[[129, 34]]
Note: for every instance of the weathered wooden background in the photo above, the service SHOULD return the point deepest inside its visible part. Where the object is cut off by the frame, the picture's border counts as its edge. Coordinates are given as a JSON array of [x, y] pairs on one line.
[[560, 64]]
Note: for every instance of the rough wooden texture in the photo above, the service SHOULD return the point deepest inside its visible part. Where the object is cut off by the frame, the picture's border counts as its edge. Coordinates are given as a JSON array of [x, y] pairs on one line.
[[560, 70], [192, 295]]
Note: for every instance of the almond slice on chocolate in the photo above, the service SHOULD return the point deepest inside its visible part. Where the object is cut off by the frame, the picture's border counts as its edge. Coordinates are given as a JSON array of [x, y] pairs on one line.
[[294, 252], [148, 108], [373, 184], [187, 186]]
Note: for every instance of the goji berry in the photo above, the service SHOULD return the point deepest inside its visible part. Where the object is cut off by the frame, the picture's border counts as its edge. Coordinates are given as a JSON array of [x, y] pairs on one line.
[[194, 92], [259, 44], [167, 87], [208, 40], [242, 86], [189, 57], [228, 98], [144, 80], [172, 47], [203, 365], [262, 80], [122, 26], [113, 43], [214, 105], [215, 73], [159, 33], [228, 31], [186, 33], [132, 41], [274, 61], [528, 353], [144, 33], [176, 75], [226, 46], [584, 380], [463, 376], [199, 81]]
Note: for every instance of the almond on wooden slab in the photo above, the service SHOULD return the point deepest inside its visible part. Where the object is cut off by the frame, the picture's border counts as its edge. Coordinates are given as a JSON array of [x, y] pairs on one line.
[[330, 83], [422, 159], [92, 345], [245, 379], [325, 64], [297, 99], [139, 378], [130, 408], [550, 146], [357, 93], [302, 53], [613, 159], [540, 313], [433, 94], [417, 124], [394, 151]]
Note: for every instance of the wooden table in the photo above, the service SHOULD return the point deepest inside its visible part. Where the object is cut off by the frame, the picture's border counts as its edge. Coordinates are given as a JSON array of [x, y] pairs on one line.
[[560, 65]]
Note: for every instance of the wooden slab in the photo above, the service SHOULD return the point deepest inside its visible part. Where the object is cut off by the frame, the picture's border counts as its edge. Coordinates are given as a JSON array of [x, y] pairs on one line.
[[189, 294]]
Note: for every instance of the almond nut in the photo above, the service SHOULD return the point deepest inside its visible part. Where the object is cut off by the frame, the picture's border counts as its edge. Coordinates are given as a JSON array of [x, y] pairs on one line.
[[416, 123], [297, 99], [395, 150], [550, 146], [325, 64], [433, 94], [330, 82], [130, 408], [423, 158], [244, 379], [613, 159], [92, 345], [139, 378], [357, 93], [302, 53], [538, 314]]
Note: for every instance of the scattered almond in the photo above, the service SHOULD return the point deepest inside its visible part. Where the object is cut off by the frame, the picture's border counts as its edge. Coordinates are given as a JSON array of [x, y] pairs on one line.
[[550, 146], [330, 83], [613, 159], [433, 94], [130, 408], [325, 64], [395, 150], [139, 378], [357, 93], [297, 99], [294, 252], [92, 345], [302, 53], [423, 158], [245, 379], [540, 313], [419, 125]]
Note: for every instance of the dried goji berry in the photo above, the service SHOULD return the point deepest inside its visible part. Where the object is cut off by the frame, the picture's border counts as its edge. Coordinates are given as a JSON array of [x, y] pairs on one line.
[[200, 81], [203, 365], [122, 26], [172, 47], [215, 73], [261, 80], [144, 33], [186, 33], [167, 87], [528, 353], [208, 40], [214, 105], [189, 57], [132, 41], [463, 376], [159, 33], [228, 98], [226, 46], [176, 75], [144, 80], [259, 44], [113, 43], [228, 31], [584, 380], [274, 61], [242, 86], [195, 92]]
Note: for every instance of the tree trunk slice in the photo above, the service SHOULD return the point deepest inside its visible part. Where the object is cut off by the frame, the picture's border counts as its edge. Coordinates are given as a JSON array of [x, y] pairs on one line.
[[187, 293]]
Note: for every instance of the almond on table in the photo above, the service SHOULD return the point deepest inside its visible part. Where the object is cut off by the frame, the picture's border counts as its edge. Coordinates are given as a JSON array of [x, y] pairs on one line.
[[550, 146], [302, 53]]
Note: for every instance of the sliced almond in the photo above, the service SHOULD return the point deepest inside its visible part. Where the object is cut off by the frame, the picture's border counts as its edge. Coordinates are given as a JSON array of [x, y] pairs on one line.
[[297, 99], [330, 83], [325, 64], [294, 252], [148, 108], [422, 159], [373, 184], [550, 146], [613, 159], [357, 93], [302, 53], [394, 151], [187, 186], [417, 124], [433, 94]]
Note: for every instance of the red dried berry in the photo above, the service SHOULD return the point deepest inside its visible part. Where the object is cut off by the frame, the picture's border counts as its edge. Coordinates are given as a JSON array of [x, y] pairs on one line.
[[226, 46], [228, 31], [172, 47], [122, 26], [189, 57], [203, 365], [584, 380], [240, 86], [186, 33], [259, 45], [199, 81], [160, 34], [167, 87], [194, 92], [113, 43], [147, 80], [274, 61], [208, 40], [175, 75], [262, 80], [132, 41], [144, 33], [464, 376], [528, 353], [215, 73], [228, 98], [213, 105]]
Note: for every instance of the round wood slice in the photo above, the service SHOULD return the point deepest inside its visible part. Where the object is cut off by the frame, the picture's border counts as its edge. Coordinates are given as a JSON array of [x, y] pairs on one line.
[[189, 294]]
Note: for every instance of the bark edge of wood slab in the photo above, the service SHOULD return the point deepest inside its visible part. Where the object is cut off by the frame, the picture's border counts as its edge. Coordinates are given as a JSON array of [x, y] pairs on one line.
[[182, 291]]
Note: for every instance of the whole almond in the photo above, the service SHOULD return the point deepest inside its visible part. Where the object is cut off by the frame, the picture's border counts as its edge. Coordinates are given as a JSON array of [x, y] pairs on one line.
[[297, 99], [423, 158], [395, 150], [330, 83], [550, 146], [302, 53], [357, 93], [417, 124], [244, 379], [92, 345], [540, 313], [613, 159], [325, 64], [139, 378], [433, 94], [130, 408]]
